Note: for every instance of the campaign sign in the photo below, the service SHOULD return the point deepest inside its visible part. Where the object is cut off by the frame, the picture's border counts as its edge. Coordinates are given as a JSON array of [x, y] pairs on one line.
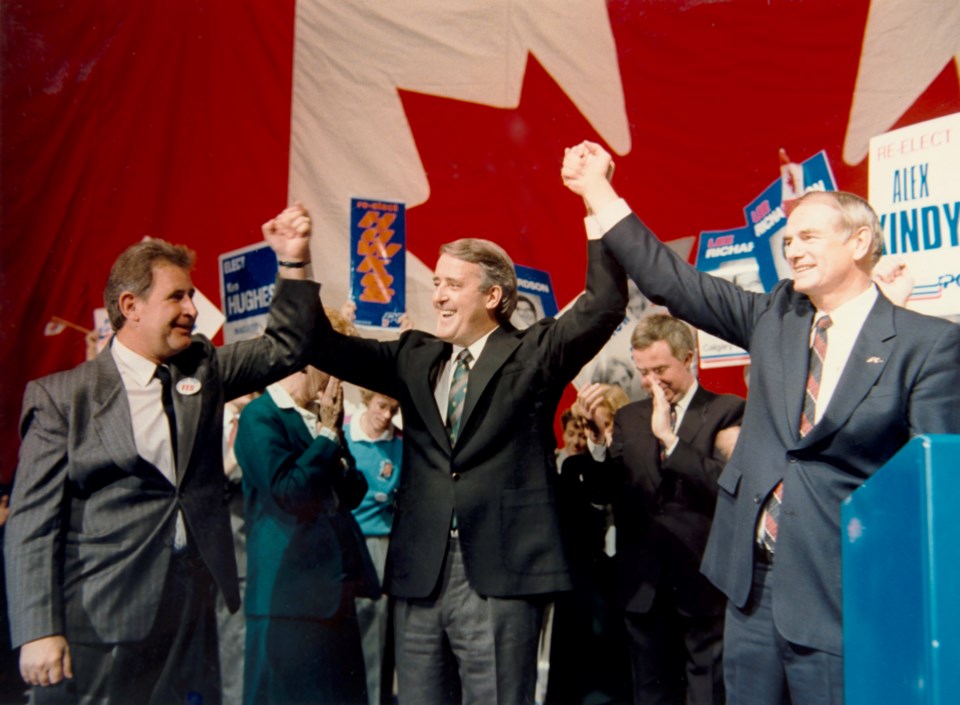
[[101, 324], [767, 217], [535, 297], [915, 189], [751, 256], [378, 261], [737, 256], [247, 281]]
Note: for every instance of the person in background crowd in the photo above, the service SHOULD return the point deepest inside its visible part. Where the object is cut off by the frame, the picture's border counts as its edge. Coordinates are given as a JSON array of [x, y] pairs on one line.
[[231, 626], [118, 535], [840, 380], [588, 649], [574, 436], [306, 560], [660, 474], [377, 446], [597, 417]]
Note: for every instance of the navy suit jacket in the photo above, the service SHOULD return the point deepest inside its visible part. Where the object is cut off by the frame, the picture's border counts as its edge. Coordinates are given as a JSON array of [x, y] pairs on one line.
[[902, 379], [303, 544], [500, 477], [663, 508]]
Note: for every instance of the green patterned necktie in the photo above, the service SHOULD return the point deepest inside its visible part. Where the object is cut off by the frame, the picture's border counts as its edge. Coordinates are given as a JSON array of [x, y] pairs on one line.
[[458, 393]]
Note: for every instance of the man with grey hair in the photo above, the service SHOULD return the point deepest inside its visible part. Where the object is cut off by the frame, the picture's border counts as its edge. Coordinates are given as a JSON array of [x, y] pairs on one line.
[[841, 379], [475, 550], [119, 537], [660, 474]]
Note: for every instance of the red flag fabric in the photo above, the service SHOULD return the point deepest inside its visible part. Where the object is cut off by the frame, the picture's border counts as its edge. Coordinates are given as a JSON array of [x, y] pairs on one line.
[[196, 120]]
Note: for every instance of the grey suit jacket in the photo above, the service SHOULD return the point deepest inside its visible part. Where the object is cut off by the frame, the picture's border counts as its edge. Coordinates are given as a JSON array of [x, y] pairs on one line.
[[91, 527], [500, 476], [902, 379]]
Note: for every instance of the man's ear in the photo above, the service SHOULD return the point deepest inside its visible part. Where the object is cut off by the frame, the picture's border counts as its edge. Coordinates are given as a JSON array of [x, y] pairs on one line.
[[494, 296], [129, 306], [863, 243]]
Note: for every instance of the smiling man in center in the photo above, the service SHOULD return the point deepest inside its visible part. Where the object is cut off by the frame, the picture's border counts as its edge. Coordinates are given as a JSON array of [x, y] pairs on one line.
[[475, 551]]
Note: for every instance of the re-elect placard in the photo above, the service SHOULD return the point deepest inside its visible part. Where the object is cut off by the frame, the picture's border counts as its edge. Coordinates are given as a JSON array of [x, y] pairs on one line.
[[915, 189]]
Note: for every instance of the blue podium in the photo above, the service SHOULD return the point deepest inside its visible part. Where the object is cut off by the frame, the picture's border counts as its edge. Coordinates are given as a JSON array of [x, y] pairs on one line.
[[901, 579]]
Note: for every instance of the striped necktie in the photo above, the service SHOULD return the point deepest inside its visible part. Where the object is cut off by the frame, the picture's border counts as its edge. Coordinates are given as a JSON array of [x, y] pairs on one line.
[[770, 518], [458, 393]]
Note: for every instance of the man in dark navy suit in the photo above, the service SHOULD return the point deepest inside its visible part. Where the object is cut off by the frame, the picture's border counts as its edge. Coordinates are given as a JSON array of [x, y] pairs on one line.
[[840, 380]]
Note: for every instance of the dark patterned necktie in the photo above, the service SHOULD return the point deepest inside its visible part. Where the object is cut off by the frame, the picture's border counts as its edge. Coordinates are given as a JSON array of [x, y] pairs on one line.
[[458, 393], [163, 374], [818, 351]]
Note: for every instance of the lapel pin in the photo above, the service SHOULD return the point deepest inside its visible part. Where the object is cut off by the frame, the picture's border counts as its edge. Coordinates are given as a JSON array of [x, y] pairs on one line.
[[874, 360], [188, 386]]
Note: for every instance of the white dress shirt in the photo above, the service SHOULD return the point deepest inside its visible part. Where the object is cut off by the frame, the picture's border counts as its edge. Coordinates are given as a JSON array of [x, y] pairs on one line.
[[445, 378], [847, 320], [151, 430]]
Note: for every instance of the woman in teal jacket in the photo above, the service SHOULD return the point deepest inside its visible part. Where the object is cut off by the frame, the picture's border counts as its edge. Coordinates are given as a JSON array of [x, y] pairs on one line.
[[306, 560]]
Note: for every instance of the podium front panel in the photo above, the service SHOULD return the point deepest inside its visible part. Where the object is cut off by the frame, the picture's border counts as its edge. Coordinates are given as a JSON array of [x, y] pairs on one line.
[[901, 579]]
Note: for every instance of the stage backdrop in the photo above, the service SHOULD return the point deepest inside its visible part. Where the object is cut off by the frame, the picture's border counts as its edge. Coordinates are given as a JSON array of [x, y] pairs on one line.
[[196, 120]]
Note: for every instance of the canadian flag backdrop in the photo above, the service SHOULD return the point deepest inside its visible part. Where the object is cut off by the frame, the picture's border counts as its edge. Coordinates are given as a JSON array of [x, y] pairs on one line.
[[197, 120]]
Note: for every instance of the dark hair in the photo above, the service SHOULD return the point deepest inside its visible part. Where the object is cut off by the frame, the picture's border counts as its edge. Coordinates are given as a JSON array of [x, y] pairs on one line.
[[497, 269], [133, 271]]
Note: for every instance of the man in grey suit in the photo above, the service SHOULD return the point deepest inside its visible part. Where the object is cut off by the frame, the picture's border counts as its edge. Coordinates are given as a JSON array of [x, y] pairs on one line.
[[841, 379], [119, 534]]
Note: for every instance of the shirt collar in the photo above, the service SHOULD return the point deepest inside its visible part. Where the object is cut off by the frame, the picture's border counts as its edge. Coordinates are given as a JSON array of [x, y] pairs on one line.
[[475, 348], [281, 397], [684, 402], [358, 434], [852, 314], [138, 368]]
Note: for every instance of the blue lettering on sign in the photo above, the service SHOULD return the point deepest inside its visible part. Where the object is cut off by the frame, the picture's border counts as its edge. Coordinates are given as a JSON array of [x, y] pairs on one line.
[[945, 281], [247, 302], [919, 229], [234, 264], [910, 183], [727, 250]]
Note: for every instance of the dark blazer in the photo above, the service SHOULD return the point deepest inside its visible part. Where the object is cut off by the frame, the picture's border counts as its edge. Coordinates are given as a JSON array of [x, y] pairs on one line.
[[500, 477], [902, 379], [92, 524], [663, 509], [303, 544]]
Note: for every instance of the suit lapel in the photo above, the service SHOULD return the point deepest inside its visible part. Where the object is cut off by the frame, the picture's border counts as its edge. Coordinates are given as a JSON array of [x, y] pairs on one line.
[[645, 471], [187, 408], [795, 355], [429, 357], [869, 356], [499, 347], [111, 413], [693, 418]]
